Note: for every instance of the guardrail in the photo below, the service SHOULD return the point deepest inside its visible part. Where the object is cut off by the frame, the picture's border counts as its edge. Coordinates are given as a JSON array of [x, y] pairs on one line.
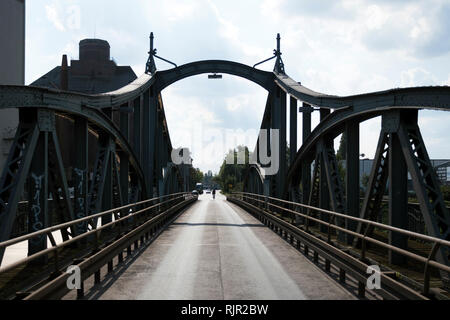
[[263, 206], [142, 220]]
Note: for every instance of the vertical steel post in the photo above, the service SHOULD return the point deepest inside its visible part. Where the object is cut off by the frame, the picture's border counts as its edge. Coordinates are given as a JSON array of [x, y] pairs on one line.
[[107, 199], [38, 195], [137, 126], [81, 171], [152, 119], [352, 176], [306, 166], [148, 139], [324, 194], [279, 122], [124, 161], [293, 129], [398, 198], [160, 160]]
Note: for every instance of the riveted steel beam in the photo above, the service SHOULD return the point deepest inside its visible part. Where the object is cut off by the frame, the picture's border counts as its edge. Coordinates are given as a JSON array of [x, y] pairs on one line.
[[279, 123], [352, 185], [292, 129], [99, 175], [80, 171], [167, 77], [38, 218], [377, 184]]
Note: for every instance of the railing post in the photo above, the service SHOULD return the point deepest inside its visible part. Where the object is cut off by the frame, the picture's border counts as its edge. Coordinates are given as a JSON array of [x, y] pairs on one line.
[[426, 274]]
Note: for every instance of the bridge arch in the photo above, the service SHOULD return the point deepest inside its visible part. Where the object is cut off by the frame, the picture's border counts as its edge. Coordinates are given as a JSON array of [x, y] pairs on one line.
[[167, 77], [254, 180]]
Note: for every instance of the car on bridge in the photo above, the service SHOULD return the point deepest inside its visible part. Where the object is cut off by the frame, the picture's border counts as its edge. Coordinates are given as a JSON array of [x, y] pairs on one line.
[[199, 188]]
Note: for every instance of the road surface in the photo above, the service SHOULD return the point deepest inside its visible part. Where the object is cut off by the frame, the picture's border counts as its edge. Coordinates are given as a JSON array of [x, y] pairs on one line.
[[215, 250]]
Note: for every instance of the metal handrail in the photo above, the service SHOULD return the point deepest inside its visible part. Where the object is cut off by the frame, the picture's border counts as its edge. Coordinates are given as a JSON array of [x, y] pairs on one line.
[[64, 225], [95, 231], [370, 222], [428, 261]]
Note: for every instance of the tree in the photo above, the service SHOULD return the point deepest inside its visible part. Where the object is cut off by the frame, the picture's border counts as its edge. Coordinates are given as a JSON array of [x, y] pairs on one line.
[[196, 176], [365, 180], [231, 176]]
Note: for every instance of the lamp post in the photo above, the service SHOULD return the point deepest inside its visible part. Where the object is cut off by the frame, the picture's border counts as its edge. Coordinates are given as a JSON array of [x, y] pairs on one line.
[[362, 155]]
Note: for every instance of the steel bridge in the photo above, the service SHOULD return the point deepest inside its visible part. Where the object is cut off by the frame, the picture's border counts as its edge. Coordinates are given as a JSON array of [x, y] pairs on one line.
[[135, 191]]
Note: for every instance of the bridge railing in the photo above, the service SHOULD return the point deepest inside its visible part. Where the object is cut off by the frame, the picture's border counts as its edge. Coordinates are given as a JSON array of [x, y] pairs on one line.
[[148, 212], [293, 209]]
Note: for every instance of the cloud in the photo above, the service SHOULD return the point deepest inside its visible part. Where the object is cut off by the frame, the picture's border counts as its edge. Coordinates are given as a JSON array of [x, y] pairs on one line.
[[336, 10], [177, 11], [52, 13], [446, 82], [419, 28], [417, 77], [435, 32], [344, 48]]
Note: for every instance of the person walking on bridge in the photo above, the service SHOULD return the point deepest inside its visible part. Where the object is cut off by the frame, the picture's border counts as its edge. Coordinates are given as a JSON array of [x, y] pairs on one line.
[[214, 193]]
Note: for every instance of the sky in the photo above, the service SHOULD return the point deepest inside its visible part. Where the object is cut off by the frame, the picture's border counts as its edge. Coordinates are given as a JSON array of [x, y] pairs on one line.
[[335, 47]]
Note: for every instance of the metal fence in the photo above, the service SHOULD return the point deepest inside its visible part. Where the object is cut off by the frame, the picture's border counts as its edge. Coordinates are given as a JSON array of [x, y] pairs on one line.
[[335, 222]]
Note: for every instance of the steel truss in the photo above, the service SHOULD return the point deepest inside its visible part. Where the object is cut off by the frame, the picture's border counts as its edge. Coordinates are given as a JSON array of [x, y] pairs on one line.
[[132, 154]]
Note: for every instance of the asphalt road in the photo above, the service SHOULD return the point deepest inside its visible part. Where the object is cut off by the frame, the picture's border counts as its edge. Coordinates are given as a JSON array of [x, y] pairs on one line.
[[215, 250]]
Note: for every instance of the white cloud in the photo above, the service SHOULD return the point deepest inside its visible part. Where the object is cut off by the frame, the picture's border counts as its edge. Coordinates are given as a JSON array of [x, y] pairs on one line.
[[177, 11], [231, 32], [446, 82], [417, 77], [52, 13], [375, 17], [349, 47]]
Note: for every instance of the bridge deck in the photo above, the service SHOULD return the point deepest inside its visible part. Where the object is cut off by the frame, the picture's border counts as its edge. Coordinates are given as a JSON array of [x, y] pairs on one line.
[[215, 250]]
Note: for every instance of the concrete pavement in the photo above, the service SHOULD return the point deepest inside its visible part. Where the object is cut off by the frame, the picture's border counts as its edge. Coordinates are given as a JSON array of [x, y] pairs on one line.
[[215, 250]]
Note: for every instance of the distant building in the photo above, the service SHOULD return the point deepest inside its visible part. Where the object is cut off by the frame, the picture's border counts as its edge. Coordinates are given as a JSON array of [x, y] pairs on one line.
[[93, 73], [441, 166], [12, 66]]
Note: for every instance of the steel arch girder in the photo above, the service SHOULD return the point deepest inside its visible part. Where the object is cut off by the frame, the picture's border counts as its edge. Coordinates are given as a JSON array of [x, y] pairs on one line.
[[254, 176], [424, 97], [167, 77], [332, 126], [70, 103]]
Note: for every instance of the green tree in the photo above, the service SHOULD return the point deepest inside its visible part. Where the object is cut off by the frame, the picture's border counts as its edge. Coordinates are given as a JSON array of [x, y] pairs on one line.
[[196, 176], [445, 192], [365, 180], [231, 176]]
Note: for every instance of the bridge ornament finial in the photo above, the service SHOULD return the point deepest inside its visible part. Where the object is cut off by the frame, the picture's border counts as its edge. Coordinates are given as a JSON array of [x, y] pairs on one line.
[[150, 67], [279, 65]]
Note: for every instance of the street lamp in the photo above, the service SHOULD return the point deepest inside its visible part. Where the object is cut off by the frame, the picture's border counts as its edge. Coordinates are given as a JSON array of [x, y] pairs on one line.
[[362, 155]]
